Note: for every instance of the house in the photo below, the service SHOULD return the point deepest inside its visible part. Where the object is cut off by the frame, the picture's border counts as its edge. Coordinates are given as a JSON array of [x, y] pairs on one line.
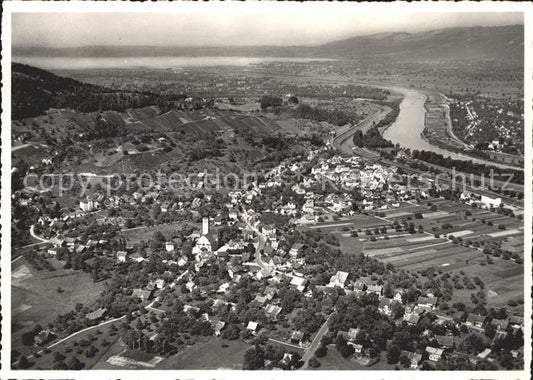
[[264, 273], [338, 279], [427, 303], [286, 360], [159, 283], [223, 288], [445, 341], [219, 303], [359, 286], [122, 256], [398, 297], [218, 326], [190, 285], [352, 334], [491, 202], [43, 337], [297, 337], [269, 230], [385, 306], [170, 246], [96, 315], [89, 204], [271, 291], [252, 326], [376, 289], [435, 354], [358, 348], [411, 318], [272, 311], [500, 324], [475, 320], [483, 354], [143, 294], [516, 322], [52, 251], [299, 283], [413, 358], [190, 309], [296, 250], [233, 214]]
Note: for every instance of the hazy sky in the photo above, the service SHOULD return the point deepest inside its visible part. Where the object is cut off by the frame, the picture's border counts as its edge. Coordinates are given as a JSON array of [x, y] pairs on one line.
[[290, 26]]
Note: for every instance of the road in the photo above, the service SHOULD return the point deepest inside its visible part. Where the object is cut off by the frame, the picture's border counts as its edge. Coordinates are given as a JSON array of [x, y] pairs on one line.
[[17, 147], [343, 141], [449, 128], [33, 235], [310, 352], [262, 240], [79, 332]]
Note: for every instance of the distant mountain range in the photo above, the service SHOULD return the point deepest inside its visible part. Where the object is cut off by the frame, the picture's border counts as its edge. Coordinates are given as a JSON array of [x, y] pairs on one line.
[[468, 43]]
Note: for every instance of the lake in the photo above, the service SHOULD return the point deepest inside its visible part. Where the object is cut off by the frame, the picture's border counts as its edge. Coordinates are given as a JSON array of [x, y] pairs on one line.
[[80, 63]]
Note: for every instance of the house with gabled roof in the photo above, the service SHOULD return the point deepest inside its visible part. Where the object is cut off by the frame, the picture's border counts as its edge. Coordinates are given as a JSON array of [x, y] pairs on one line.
[[122, 256], [296, 250], [475, 320], [352, 334], [142, 294], [338, 279], [297, 337], [43, 337], [427, 303], [411, 319], [252, 326], [376, 289], [272, 311], [434, 354]]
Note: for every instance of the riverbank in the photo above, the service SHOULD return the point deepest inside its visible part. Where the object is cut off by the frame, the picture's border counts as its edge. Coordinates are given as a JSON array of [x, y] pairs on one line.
[[408, 129]]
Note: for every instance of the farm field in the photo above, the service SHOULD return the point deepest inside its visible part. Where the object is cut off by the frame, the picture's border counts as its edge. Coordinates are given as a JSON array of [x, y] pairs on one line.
[[104, 339], [356, 222], [432, 246], [334, 361], [208, 354], [35, 296], [138, 234]]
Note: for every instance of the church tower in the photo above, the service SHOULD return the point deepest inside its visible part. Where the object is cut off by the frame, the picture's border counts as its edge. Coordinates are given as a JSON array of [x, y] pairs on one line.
[[205, 225]]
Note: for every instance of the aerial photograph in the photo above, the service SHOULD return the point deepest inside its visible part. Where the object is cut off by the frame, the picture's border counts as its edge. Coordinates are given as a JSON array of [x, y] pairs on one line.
[[308, 189]]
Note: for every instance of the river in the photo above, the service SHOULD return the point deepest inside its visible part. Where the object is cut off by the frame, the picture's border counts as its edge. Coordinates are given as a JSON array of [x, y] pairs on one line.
[[407, 129]]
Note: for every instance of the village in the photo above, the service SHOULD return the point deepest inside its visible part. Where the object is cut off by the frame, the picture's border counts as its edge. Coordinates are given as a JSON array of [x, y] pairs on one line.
[[294, 261]]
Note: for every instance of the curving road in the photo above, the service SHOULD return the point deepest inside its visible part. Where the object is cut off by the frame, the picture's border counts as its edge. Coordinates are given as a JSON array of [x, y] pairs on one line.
[[343, 141]]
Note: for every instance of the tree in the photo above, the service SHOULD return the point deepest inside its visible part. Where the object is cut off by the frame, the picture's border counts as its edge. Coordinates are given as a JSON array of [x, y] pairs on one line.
[[270, 101], [75, 364], [24, 362], [393, 355], [321, 351], [254, 358], [58, 357], [314, 363], [60, 366]]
